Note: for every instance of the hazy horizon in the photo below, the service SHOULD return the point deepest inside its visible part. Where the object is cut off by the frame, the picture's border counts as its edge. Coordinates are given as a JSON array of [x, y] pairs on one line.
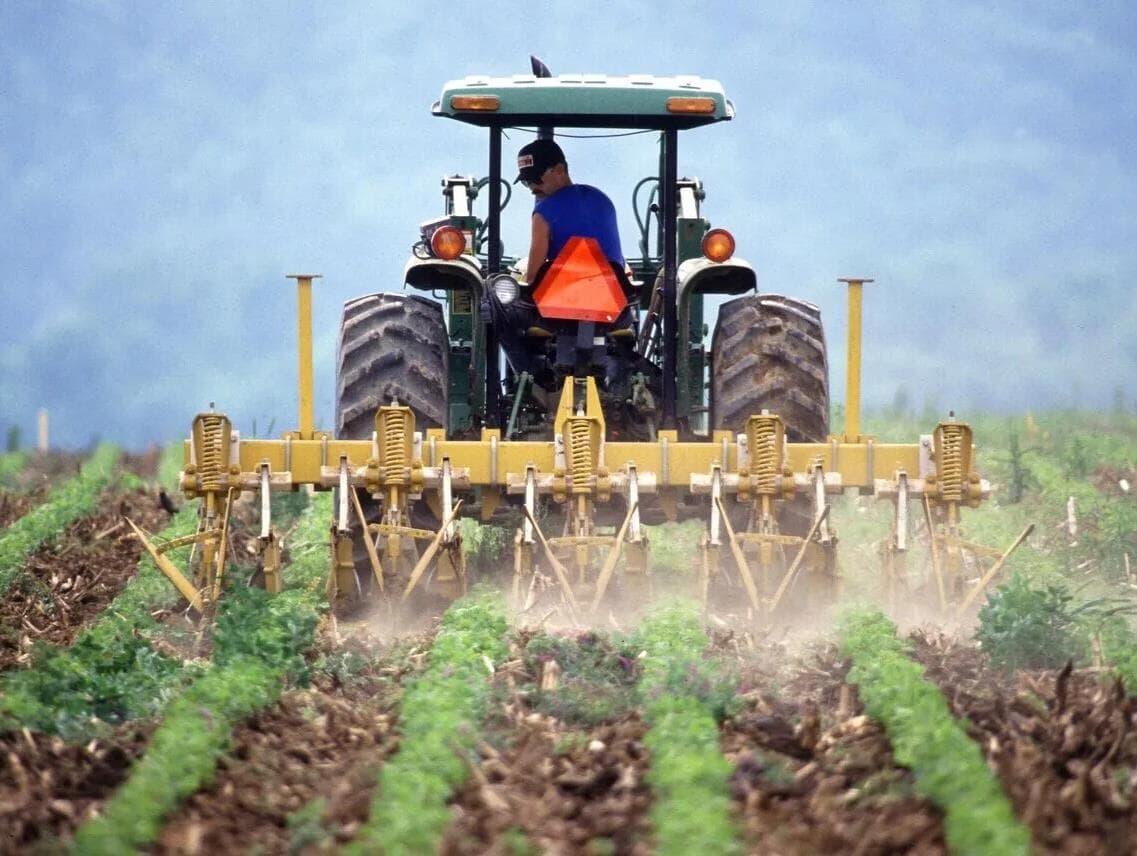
[[163, 169]]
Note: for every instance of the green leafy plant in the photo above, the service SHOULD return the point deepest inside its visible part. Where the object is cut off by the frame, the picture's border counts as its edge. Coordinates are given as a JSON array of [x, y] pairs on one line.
[[66, 503], [483, 545], [306, 827], [110, 673], [260, 644], [597, 678], [688, 775], [441, 715], [948, 767], [11, 463], [1024, 625]]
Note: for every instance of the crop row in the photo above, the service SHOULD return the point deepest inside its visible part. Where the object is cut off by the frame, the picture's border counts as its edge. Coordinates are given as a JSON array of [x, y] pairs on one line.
[[690, 812], [259, 644], [441, 718], [111, 672], [948, 766], [66, 503]]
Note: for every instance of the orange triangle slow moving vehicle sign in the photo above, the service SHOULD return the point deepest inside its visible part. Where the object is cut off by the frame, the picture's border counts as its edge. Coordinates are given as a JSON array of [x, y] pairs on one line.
[[580, 285]]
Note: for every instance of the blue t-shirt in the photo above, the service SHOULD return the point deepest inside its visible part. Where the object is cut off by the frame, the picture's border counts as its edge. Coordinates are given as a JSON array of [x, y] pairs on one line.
[[582, 211]]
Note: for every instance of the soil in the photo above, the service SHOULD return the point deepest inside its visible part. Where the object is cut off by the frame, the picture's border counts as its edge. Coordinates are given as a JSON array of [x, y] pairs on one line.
[[66, 585], [48, 787], [1063, 743], [562, 794], [318, 749], [814, 775]]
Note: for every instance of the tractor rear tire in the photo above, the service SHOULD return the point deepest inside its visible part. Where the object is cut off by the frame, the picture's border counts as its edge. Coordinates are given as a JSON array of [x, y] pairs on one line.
[[392, 348], [768, 353]]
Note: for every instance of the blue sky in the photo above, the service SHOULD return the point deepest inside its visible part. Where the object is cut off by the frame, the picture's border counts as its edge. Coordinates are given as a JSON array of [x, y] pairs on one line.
[[163, 167]]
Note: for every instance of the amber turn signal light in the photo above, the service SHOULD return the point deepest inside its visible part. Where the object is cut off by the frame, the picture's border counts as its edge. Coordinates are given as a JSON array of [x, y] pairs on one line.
[[718, 245], [678, 104], [448, 243], [478, 103]]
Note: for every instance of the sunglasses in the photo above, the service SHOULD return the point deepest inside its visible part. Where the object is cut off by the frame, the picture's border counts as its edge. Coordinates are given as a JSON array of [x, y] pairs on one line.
[[537, 181]]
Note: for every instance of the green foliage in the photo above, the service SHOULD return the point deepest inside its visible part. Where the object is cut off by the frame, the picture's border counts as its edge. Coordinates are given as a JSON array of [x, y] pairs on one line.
[[170, 464], [277, 629], [196, 728], [948, 766], [110, 673], [12, 440], [10, 465], [66, 503], [1076, 457], [108, 677], [1119, 649], [675, 547], [1029, 626], [688, 773], [288, 507], [440, 721], [1020, 476], [598, 679], [484, 545], [260, 641]]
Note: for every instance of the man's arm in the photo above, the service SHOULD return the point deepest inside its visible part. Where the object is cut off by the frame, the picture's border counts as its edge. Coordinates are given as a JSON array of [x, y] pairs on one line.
[[538, 246]]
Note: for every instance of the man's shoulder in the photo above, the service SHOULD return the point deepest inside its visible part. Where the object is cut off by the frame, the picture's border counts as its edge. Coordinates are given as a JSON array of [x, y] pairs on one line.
[[593, 195]]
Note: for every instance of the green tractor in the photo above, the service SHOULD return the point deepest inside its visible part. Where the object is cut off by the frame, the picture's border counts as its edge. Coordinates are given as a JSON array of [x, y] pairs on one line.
[[608, 414], [435, 350]]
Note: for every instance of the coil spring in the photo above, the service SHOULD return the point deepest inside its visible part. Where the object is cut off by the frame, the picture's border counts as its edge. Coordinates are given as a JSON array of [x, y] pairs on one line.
[[580, 453], [211, 457], [951, 463], [393, 446], [763, 455]]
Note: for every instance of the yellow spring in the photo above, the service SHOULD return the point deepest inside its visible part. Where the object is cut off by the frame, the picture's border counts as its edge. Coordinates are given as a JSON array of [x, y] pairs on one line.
[[580, 454], [212, 454], [393, 446], [951, 462], [764, 457]]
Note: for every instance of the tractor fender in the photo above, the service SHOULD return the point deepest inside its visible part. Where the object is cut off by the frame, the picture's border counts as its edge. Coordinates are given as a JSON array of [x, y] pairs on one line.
[[702, 276], [433, 274]]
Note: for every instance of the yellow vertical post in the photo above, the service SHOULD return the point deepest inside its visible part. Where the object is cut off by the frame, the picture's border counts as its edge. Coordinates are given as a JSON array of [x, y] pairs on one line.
[[853, 359], [304, 349]]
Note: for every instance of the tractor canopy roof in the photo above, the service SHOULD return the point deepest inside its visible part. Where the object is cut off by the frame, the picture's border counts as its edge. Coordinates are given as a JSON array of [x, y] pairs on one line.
[[585, 101]]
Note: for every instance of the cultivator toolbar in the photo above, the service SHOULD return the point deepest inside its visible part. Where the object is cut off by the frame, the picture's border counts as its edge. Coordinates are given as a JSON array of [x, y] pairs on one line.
[[765, 503]]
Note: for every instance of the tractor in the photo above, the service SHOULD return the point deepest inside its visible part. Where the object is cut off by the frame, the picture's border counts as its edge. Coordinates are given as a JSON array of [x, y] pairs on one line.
[[605, 415]]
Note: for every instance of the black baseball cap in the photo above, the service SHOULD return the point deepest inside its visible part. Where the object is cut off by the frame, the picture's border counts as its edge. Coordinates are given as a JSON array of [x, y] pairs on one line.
[[535, 158]]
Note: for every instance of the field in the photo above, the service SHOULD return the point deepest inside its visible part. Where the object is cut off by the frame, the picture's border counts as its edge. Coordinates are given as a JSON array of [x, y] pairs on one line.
[[284, 728]]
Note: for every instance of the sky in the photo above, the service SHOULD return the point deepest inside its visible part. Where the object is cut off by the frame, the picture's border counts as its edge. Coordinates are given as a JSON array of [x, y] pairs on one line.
[[164, 166]]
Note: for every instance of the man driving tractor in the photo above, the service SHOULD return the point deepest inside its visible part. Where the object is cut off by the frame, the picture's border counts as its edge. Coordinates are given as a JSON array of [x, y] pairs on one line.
[[563, 211]]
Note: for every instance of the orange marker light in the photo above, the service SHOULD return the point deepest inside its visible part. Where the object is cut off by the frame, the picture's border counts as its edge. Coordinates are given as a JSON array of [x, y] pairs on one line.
[[718, 245], [448, 243], [678, 104], [477, 103]]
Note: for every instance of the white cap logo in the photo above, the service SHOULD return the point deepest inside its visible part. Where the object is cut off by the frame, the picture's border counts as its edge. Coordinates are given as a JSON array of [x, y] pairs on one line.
[[524, 161]]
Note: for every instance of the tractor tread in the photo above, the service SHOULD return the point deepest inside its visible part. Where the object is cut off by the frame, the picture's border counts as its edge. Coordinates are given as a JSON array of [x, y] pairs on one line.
[[392, 347], [769, 353]]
